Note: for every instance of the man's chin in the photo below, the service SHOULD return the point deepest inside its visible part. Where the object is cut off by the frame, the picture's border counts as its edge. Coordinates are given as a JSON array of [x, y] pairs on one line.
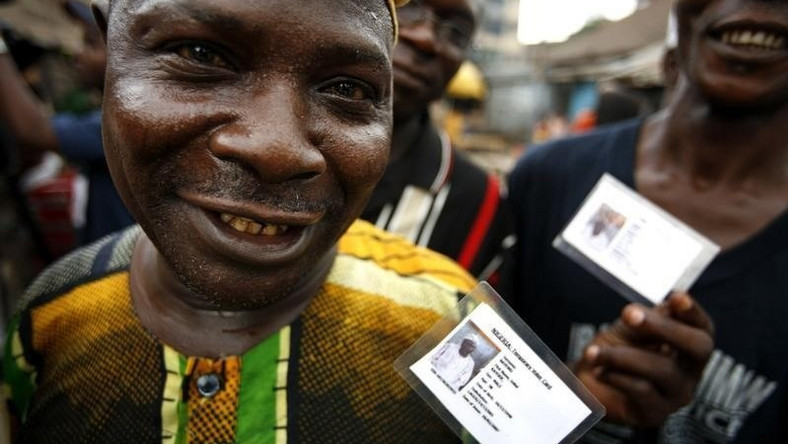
[[235, 292], [746, 103]]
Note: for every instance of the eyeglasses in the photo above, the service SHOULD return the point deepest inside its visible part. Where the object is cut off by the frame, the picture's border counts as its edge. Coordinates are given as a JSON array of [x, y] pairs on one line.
[[456, 32]]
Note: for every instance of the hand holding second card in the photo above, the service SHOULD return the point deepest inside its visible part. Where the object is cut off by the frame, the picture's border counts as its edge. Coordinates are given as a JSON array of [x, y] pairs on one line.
[[647, 365]]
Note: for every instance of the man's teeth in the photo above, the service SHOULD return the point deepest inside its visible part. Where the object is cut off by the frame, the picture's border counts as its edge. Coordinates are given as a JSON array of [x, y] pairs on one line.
[[245, 225], [756, 39]]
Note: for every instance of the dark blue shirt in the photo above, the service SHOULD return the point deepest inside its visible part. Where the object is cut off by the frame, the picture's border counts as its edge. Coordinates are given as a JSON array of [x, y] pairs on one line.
[[743, 397]]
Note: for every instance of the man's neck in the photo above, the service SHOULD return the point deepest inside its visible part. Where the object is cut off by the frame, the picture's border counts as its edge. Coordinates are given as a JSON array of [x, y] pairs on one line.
[[719, 147], [405, 134], [166, 309]]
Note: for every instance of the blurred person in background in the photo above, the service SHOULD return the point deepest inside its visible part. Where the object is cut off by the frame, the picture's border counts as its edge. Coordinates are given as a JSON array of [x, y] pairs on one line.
[[552, 126], [431, 193], [614, 104], [717, 159], [584, 121], [76, 137], [618, 104]]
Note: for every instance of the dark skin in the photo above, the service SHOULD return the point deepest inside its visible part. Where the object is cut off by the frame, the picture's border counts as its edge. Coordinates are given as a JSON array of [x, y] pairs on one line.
[[646, 366], [728, 198], [716, 158], [670, 74], [245, 149]]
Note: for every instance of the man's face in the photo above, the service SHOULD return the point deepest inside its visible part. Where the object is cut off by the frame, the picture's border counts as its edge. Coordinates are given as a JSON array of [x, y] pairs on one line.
[[735, 51], [246, 135], [467, 347], [433, 38]]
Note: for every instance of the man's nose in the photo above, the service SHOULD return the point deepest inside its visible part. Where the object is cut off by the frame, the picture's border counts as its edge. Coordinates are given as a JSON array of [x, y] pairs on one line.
[[270, 134], [421, 35]]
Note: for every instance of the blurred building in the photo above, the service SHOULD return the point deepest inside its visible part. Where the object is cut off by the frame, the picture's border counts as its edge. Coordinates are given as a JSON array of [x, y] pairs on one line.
[[627, 52], [527, 83], [497, 31], [513, 101]]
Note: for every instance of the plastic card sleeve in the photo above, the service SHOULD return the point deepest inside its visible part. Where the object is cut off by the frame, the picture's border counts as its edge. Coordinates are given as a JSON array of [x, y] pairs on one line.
[[489, 377], [632, 245]]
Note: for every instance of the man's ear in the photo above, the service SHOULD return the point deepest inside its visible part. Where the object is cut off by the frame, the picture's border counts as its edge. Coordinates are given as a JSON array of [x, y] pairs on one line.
[[101, 13]]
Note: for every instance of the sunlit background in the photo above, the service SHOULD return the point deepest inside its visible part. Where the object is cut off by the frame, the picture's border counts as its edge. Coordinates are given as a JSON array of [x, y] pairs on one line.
[[555, 20]]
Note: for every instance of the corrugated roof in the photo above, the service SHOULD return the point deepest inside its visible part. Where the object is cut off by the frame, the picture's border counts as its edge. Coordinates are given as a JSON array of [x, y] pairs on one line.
[[610, 39]]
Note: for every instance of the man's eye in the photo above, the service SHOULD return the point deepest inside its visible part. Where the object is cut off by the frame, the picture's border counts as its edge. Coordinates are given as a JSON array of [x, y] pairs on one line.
[[458, 35], [350, 90], [203, 55]]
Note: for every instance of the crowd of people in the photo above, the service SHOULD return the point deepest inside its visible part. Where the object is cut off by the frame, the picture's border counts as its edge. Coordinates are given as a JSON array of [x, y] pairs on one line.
[[274, 218]]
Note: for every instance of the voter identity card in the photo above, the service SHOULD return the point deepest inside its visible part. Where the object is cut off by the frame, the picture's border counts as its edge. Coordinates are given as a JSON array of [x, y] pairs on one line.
[[488, 375], [634, 246]]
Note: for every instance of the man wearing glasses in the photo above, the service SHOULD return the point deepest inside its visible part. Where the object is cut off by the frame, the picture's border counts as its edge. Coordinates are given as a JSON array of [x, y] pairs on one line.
[[430, 193]]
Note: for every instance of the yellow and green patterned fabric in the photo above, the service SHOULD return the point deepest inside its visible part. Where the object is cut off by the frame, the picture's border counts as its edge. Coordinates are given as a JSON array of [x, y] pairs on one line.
[[80, 368]]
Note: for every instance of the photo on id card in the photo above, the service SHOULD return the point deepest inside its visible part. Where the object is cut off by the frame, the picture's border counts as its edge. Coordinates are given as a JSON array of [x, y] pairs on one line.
[[489, 375], [632, 245]]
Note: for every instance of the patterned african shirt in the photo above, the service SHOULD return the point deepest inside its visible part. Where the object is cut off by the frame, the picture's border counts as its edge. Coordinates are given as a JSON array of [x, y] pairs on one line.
[[79, 366]]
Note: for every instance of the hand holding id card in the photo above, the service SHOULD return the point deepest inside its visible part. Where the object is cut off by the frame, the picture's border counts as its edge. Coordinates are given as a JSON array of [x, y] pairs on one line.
[[490, 375], [632, 245]]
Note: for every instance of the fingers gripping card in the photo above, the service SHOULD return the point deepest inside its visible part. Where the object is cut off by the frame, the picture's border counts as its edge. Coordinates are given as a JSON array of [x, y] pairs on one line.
[[490, 376]]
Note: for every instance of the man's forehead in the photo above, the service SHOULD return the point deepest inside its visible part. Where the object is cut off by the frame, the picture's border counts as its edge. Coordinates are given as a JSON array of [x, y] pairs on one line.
[[391, 5]]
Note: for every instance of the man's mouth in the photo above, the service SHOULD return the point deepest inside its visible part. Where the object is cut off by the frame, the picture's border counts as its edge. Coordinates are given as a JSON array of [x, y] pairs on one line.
[[246, 225], [752, 39]]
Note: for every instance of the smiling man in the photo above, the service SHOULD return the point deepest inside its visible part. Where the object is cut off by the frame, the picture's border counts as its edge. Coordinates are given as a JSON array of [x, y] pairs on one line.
[[245, 136], [716, 158], [431, 193]]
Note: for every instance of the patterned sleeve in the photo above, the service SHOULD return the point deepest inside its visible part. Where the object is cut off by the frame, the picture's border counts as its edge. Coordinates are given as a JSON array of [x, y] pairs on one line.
[[18, 377]]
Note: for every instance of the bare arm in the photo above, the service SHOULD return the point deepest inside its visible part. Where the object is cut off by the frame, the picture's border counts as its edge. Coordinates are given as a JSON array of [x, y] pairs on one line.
[[22, 112]]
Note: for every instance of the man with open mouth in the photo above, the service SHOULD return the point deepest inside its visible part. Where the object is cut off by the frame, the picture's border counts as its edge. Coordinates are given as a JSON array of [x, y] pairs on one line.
[[716, 158], [245, 137], [248, 306]]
